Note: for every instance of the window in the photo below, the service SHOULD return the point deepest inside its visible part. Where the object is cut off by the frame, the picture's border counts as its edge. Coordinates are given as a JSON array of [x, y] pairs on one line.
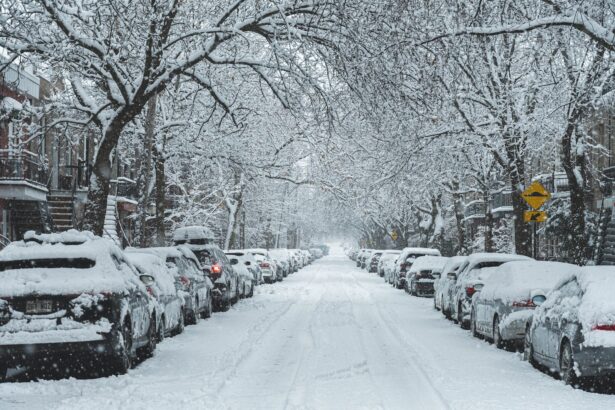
[[74, 263]]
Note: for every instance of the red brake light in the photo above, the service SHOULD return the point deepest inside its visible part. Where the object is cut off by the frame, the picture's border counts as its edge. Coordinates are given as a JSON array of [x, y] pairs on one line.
[[524, 303], [470, 291], [216, 269], [150, 290], [610, 328], [184, 280], [265, 265]]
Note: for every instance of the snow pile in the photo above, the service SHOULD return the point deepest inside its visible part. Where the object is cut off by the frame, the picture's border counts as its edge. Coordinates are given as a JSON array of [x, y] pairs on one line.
[[597, 306], [189, 233], [64, 330], [515, 281], [84, 302]]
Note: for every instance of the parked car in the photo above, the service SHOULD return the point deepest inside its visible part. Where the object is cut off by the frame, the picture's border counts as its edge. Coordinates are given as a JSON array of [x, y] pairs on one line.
[[249, 260], [573, 331], [171, 315], [365, 257], [475, 270], [359, 257], [386, 264], [372, 263], [269, 268], [246, 279], [191, 282], [404, 263], [442, 284], [214, 262], [282, 258], [70, 295], [503, 308], [423, 273]]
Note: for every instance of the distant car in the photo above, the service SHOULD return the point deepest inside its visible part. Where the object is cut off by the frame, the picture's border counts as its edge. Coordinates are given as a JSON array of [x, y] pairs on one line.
[[282, 256], [386, 263], [172, 315], [71, 296], [246, 279], [404, 263], [249, 260], [475, 270], [191, 282], [442, 283], [573, 331], [365, 257], [372, 263], [201, 240], [359, 257], [423, 273], [504, 306], [269, 267]]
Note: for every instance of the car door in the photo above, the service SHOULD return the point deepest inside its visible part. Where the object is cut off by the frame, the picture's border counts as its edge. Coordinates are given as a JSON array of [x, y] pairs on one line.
[[563, 314], [138, 303]]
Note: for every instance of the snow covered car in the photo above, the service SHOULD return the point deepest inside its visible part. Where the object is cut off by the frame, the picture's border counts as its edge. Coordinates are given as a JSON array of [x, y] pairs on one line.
[[423, 273], [214, 262], [359, 257], [366, 257], [404, 263], [441, 284], [282, 258], [387, 262], [171, 315], [372, 263], [246, 279], [249, 260], [573, 331], [475, 270], [72, 297], [268, 266], [192, 285], [502, 309]]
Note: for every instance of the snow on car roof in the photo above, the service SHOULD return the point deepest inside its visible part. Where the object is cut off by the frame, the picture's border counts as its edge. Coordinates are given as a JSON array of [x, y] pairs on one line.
[[66, 277], [453, 263], [421, 251], [477, 258], [193, 232], [162, 251], [155, 265], [598, 304], [518, 279], [428, 262]]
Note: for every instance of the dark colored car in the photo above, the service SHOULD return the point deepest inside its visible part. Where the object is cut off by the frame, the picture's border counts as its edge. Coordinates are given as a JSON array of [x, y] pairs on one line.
[[72, 299], [373, 262]]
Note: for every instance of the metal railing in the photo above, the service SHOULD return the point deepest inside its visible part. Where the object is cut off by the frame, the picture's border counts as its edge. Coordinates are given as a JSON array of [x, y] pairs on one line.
[[21, 166]]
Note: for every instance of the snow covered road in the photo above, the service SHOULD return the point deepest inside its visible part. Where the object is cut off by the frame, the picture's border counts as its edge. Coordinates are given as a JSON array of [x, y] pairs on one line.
[[330, 336]]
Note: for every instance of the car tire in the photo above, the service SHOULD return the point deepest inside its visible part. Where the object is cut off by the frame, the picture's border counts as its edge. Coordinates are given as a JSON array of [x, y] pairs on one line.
[[497, 336], [3, 372], [123, 358], [226, 305], [459, 317], [566, 365], [160, 329], [528, 348], [207, 312], [473, 325], [251, 294], [148, 350], [181, 325]]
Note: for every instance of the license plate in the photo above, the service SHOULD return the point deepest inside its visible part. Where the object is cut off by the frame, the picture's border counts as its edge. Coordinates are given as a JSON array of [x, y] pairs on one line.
[[39, 306]]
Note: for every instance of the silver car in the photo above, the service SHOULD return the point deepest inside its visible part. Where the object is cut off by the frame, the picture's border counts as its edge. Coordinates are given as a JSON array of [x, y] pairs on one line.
[[473, 272], [573, 331], [442, 284], [503, 307]]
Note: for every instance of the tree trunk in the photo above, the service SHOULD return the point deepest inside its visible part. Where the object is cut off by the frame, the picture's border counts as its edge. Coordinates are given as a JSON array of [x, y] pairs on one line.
[[458, 209], [145, 175], [160, 237], [489, 245]]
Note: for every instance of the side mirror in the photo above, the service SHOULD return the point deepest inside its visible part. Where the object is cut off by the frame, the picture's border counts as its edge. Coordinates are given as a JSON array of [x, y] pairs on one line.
[[478, 287], [234, 261], [248, 263], [147, 280], [539, 300], [452, 276]]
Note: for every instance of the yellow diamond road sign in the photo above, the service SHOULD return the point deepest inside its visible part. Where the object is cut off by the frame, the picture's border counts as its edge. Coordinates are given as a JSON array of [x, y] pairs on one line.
[[536, 195], [394, 235], [535, 216]]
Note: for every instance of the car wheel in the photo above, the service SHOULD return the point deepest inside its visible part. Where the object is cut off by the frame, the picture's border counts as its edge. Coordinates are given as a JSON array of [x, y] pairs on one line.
[[459, 318], [207, 312], [148, 350], [497, 336], [566, 365], [160, 329], [3, 372], [528, 348], [251, 294], [181, 324], [473, 325], [226, 305], [123, 359]]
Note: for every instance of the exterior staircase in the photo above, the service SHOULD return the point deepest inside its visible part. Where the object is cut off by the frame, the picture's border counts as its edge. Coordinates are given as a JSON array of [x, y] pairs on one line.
[[61, 208], [608, 248], [111, 220]]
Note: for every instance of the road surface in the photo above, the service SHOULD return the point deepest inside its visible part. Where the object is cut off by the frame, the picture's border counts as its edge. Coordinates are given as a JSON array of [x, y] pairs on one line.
[[331, 336]]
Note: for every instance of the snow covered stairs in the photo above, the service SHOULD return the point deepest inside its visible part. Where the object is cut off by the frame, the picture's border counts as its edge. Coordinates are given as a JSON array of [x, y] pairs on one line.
[[111, 220], [61, 210], [608, 250]]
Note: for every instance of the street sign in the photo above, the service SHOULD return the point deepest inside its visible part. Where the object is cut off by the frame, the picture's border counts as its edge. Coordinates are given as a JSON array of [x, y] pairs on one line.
[[394, 235], [535, 216], [536, 195]]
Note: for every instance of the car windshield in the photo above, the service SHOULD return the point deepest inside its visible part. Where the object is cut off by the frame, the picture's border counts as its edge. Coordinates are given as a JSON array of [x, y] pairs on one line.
[[54, 263], [204, 257]]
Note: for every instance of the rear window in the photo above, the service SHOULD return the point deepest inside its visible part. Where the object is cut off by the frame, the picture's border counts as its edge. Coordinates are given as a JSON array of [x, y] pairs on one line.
[[198, 241], [204, 257], [56, 263]]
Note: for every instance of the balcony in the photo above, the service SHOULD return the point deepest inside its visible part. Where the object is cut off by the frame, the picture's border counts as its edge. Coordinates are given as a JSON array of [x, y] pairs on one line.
[[474, 210], [22, 176]]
